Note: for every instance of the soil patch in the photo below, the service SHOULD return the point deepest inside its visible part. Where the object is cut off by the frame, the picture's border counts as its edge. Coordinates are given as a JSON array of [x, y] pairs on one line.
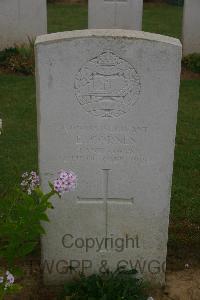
[[180, 285], [188, 75]]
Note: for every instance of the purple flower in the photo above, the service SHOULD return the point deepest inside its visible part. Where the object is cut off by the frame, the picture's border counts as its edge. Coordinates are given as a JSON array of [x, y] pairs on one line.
[[65, 182], [10, 278], [30, 182], [1, 279]]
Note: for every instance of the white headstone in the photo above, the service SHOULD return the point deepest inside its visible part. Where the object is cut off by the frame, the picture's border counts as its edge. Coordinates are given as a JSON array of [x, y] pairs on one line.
[[191, 27], [21, 20], [119, 14], [107, 109]]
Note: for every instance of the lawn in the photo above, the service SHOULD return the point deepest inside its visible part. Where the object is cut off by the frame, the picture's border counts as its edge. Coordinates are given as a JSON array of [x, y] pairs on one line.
[[159, 18], [63, 17], [163, 19], [186, 179], [18, 143]]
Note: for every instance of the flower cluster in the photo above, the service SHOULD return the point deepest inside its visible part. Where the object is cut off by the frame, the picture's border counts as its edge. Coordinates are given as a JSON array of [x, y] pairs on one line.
[[30, 181], [7, 280], [65, 182]]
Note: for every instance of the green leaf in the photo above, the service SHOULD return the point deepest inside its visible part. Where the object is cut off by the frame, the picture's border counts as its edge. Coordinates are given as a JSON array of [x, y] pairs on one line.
[[44, 217], [51, 185], [27, 248]]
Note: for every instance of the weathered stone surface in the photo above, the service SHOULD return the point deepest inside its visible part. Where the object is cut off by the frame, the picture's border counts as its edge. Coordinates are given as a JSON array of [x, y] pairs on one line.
[[191, 27], [120, 14], [21, 20], [107, 109]]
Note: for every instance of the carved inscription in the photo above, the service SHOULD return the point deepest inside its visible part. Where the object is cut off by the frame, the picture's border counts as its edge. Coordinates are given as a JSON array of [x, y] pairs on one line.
[[107, 86], [107, 143]]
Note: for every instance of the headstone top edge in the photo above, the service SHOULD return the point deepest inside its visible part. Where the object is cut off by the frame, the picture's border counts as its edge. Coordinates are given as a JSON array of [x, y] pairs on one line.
[[121, 33]]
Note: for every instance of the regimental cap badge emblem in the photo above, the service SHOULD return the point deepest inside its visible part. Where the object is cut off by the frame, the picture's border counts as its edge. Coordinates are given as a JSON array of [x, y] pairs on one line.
[[107, 86]]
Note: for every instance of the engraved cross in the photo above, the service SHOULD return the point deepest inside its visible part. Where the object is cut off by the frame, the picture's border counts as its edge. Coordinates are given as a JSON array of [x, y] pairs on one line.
[[105, 199]]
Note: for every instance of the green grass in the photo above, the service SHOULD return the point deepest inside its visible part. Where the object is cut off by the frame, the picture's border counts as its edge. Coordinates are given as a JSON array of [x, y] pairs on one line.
[[163, 19], [159, 18], [186, 179], [18, 142], [62, 17], [185, 202]]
